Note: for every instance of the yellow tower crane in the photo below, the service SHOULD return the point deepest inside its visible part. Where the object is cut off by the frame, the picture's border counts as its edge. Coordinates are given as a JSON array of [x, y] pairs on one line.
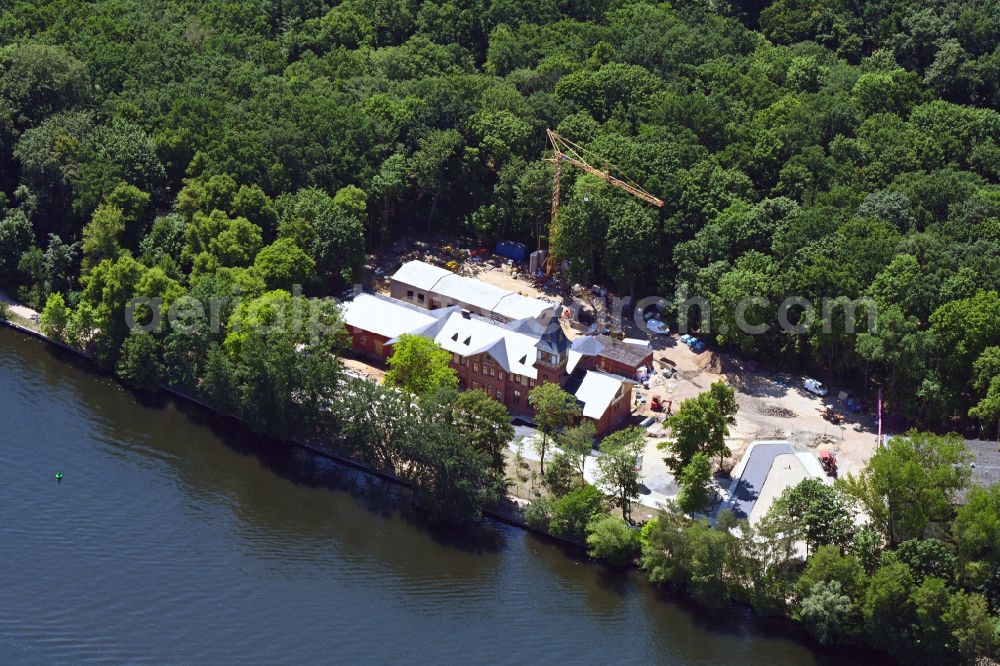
[[564, 150]]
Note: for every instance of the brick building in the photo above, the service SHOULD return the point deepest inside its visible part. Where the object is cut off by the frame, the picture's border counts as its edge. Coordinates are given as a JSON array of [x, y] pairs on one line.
[[431, 287], [616, 357], [505, 360]]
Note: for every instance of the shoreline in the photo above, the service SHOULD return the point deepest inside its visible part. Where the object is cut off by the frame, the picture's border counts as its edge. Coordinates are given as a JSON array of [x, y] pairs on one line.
[[792, 629], [511, 516]]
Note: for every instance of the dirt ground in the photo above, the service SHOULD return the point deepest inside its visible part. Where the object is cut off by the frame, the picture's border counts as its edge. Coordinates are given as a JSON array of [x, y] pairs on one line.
[[771, 405], [364, 370]]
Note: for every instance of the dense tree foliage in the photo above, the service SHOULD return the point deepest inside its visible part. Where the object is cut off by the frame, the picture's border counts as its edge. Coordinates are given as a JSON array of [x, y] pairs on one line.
[[822, 150]]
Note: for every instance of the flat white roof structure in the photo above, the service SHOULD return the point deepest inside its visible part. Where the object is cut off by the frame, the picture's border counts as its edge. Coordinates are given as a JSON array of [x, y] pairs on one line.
[[597, 391], [387, 316]]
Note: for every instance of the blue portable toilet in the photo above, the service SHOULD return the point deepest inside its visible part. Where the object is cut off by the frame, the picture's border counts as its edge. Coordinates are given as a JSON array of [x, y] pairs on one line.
[[516, 251]]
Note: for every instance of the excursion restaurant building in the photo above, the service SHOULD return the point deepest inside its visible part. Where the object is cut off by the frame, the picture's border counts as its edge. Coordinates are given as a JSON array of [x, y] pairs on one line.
[[492, 348]]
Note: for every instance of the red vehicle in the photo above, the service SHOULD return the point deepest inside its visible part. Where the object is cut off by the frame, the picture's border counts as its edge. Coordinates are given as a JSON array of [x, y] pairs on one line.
[[829, 462]]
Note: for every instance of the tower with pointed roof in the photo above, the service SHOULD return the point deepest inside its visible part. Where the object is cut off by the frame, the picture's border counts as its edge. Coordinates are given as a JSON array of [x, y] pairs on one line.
[[551, 354]]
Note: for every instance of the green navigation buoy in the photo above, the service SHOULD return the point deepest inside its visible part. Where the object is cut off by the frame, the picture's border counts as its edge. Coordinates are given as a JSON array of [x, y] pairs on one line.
[[58, 476]]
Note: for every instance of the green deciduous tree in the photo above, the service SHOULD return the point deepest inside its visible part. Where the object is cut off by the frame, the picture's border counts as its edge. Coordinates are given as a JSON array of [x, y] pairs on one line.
[[618, 469], [102, 236], [283, 264], [701, 424], [612, 539], [820, 514], [911, 482], [695, 484], [16, 237], [925, 558], [139, 365], [554, 408], [420, 366], [485, 423], [573, 512], [825, 610], [578, 442], [54, 317], [976, 531]]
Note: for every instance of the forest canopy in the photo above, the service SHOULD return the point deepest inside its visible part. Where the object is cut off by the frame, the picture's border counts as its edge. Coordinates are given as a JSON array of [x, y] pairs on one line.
[[818, 148]]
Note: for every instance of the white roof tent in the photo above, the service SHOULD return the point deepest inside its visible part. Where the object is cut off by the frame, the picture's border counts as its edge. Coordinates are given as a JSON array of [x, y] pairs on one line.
[[470, 292], [387, 316]]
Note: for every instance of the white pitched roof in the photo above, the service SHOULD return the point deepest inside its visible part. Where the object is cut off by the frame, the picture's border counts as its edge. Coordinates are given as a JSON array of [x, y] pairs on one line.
[[597, 391], [513, 351], [516, 306], [387, 316], [420, 274], [469, 291], [466, 290]]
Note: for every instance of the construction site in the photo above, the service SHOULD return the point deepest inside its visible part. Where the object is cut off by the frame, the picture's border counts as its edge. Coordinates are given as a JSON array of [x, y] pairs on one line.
[[807, 434]]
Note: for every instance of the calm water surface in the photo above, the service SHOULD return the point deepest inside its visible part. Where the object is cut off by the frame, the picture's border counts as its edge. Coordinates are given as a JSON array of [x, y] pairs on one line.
[[173, 538]]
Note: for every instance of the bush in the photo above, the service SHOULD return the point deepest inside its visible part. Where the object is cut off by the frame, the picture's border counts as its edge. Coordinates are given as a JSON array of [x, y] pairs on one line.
[[572, 513], [538, 514], [612, 539], [140, 365], [54, 318], [561, 476]]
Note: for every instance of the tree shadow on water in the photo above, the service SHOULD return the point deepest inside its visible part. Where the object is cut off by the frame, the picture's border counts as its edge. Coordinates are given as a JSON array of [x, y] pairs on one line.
[[381, 497]]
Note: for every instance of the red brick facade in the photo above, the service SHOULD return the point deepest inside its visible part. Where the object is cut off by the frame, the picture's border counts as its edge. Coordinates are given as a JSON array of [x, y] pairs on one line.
[[483, 372], [613, 367], [369, 344]]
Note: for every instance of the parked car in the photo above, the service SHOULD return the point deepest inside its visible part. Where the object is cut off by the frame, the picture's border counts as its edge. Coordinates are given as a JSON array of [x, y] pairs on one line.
[[657, 327], [815, 387]]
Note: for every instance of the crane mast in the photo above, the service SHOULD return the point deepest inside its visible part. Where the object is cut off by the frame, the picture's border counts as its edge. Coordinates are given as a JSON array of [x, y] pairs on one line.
[[564, 150]]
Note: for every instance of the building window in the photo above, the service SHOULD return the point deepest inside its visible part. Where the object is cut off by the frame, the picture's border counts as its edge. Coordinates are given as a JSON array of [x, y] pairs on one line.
[[461, 360], [493, 371], [499, 395], [475, 367], [475, 385], [420, 298], [517, 397], [501, 375], [409, 294], [531, 383], [363, 340]]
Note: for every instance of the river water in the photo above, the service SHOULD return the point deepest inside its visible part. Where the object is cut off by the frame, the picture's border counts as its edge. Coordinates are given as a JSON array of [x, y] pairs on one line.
[[176, 537]]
